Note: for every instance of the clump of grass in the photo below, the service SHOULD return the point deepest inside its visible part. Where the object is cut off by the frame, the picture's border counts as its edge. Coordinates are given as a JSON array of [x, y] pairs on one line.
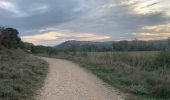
[[20, 75]]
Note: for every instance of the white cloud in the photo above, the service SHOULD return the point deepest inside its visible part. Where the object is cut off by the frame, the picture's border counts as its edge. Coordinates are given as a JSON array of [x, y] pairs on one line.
[[149, 6], [12, 8]]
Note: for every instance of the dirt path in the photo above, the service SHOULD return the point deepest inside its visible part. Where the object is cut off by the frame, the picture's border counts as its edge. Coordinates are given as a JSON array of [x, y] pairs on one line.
[[68, 81]]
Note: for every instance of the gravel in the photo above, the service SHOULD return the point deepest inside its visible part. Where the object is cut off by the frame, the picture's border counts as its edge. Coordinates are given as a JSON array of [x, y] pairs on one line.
[[68, 81]]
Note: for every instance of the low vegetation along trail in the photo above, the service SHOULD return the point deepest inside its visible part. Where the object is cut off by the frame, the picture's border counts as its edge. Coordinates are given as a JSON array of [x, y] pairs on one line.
[[68, 81]]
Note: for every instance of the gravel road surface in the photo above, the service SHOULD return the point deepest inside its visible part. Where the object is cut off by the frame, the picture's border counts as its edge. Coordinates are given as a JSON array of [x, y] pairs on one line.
[[68, 81]]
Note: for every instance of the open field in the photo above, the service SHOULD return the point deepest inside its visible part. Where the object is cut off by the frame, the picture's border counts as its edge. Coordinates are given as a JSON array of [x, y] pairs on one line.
[[144, 74], [21, 75], [130, 53]]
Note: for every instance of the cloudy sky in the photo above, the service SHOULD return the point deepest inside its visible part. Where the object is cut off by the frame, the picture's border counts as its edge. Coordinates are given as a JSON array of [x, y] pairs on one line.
[[50, 22]]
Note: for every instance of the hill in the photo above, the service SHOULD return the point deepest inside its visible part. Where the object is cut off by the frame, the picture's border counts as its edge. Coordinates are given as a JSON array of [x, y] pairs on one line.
[[135, 45], [84, 43]]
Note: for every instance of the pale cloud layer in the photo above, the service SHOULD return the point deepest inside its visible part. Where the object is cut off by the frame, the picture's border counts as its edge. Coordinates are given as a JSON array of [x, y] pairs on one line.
[[50, 22], [55, 37], [149, 6]]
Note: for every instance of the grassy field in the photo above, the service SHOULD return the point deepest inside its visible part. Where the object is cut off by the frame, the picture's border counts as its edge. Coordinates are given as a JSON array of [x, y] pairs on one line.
[[145, 75], [21, 75]]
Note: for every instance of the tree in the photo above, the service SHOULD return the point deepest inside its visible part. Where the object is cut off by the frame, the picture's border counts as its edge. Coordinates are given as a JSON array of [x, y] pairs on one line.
[[9, 38], [89, 48], [168, 41], [73, 49], [120, 46]]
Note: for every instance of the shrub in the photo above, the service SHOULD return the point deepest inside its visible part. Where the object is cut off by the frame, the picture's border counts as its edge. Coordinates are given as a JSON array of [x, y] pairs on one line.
[[162, 90], [163, 59], [138, 89]]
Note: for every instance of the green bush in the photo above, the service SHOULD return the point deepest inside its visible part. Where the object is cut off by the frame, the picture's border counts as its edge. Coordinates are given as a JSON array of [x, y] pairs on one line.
[[163, 59]]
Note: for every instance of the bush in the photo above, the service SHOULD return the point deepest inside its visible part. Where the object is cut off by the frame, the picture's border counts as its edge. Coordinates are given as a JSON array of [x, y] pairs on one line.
[[163, 59], [139, 89], [162, 90]]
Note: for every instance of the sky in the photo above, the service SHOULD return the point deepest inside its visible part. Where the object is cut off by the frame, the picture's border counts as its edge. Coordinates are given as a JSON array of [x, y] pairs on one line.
[[51, 22]]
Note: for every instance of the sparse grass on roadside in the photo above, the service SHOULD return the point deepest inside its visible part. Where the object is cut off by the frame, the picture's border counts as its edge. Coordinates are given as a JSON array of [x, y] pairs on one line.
[[21, 75]]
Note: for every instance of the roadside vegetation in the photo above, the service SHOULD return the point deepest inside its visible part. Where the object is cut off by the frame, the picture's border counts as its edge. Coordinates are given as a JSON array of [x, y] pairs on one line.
[[21, 74], [145, 74], [43, 51]]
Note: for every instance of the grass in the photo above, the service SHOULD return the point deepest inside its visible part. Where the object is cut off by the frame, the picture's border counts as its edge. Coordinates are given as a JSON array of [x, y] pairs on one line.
[[145, 76], [21, 75]]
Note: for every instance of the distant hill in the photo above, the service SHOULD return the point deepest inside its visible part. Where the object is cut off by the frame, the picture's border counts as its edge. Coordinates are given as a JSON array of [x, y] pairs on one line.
[[136, 45], [84, 43]]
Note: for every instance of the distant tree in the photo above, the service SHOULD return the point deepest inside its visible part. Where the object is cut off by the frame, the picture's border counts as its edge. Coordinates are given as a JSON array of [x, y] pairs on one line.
[[26, 46], [73, 49], [120, 46], [51, 51], [169, 42], [44, 50], [1, 35], [89, 48]]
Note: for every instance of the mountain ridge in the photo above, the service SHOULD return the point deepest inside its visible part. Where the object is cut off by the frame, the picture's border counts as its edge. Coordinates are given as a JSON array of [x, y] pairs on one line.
[[69, 43]]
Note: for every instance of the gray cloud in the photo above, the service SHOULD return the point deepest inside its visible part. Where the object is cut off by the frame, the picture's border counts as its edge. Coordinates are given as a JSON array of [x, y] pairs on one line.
[[56, 12], [101, 17], [117, 21]]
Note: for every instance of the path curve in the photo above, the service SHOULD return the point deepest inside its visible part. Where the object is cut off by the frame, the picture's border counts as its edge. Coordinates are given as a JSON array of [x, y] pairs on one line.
[[68, 81]]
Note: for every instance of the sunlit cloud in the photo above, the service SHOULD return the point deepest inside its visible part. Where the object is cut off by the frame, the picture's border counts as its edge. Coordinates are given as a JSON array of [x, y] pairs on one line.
[[148, 38], [158, 28], [154, 32], [39, 39], [151, 36], [149, 6], [45, 36], [90, 37], [146, 34]]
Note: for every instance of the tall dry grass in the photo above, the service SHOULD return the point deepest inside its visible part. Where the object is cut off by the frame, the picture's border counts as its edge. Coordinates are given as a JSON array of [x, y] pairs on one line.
[[21, 75], [142, 73]]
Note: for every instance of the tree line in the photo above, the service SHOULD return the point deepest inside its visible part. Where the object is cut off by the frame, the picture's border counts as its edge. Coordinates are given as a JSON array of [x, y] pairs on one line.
[[134, 45], [9, 39]]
